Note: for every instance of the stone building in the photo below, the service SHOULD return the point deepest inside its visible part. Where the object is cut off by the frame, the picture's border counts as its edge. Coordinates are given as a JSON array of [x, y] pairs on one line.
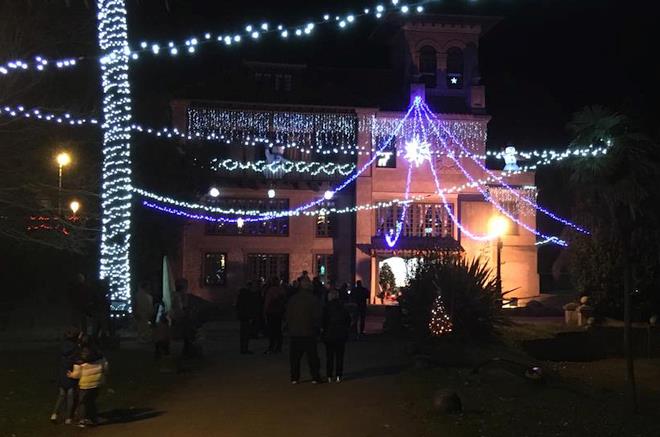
[[310, 128]]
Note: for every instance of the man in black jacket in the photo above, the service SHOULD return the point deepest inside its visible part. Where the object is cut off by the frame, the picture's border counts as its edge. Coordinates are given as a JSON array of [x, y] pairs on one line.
[[361, 298], [303, 318]]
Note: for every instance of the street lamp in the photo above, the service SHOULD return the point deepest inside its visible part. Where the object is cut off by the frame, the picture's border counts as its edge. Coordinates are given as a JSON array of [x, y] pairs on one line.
[[497, 226], [63, 159], [75, 206]]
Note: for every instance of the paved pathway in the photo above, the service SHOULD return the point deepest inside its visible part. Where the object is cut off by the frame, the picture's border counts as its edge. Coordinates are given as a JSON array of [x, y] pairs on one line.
[[237, 396]]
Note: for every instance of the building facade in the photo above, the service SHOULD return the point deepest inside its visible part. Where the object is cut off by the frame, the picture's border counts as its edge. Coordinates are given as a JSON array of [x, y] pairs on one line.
[[279, 156]]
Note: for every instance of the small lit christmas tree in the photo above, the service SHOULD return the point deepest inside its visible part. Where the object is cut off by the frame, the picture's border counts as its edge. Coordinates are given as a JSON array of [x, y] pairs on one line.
[[440, 323]]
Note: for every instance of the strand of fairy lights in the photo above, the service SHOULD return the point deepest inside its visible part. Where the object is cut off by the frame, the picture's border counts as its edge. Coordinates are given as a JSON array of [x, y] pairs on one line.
[[256, 32], [483, 192], [531, 203], [313, 168], [39, 64], [547, 156]]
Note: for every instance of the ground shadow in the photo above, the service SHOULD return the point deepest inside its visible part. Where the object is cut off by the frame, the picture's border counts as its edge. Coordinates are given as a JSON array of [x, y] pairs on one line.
[[127, 415]]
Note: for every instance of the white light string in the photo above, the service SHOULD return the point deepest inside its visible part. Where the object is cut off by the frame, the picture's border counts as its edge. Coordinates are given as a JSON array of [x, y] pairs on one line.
[[38, 114], [39, 64], [278, 167], [484, 193], [255, 32], [533, 204]]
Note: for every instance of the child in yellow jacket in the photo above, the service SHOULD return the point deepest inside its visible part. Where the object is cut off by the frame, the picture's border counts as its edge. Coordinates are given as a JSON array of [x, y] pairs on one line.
[[90, 373]]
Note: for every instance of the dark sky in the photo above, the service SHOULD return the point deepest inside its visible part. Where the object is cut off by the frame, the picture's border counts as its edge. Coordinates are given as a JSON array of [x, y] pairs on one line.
[[542, 62]]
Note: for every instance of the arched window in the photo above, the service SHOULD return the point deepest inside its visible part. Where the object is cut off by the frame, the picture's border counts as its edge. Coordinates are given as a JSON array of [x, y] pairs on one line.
[[428, 66], [455, 67]]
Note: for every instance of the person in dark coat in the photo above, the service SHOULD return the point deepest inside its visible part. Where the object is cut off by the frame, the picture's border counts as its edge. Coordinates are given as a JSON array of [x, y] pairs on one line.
[[303, 318], [336, 326], [245, 310], [361, 298], [68, 387], [274, 308]]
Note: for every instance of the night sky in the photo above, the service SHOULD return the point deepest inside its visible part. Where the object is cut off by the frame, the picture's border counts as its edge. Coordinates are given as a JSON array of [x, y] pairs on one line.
[[542, 62]]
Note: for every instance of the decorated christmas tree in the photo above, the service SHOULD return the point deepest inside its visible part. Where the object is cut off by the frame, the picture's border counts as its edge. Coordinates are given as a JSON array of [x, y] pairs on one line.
[[440, 323]]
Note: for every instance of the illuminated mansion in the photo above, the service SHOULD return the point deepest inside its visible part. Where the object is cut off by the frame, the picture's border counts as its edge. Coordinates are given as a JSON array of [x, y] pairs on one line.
[[366, 182]]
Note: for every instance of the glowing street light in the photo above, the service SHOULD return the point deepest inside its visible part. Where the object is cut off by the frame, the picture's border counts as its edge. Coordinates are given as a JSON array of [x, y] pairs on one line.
[[498, 226], [74, 206], [63, 159], [214, 192], [271, 193]]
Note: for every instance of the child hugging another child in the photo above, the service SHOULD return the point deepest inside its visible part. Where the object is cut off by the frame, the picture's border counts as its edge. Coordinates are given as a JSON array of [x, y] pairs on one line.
[[90, 371], [68, 387]]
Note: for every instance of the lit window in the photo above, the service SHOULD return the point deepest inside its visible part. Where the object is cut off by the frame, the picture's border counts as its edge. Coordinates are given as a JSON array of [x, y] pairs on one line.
[[324, 268], [264, 266], [215, 265]]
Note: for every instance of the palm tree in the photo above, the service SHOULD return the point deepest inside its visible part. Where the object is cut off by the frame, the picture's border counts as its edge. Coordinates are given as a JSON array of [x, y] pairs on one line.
[[619, 186]]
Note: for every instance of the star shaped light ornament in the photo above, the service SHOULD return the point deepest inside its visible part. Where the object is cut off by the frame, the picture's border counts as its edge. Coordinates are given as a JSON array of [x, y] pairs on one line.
[[454, 80], [417, 151]]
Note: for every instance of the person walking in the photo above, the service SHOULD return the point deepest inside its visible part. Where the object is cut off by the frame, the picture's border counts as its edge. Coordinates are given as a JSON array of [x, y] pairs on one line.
[[68, 387], [90, 373], [336, 326], [303, 318], [274, 307], [245, 310], [361, 298], [144, 312]]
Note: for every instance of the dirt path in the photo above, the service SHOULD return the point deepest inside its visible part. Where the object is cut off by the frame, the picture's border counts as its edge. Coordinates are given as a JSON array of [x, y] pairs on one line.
[[251, 396]]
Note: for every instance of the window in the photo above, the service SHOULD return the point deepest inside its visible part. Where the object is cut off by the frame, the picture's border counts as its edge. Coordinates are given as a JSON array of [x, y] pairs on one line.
[[324, 268], [278, 227], [283, 82], [428, 66], [267, 265], [386, 155], [215, 265], [325, 222], [512, 208], [455, 68], [421, 220]]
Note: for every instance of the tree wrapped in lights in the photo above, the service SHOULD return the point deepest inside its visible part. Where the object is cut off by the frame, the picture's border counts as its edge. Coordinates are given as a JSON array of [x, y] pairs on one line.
[[440, 323]]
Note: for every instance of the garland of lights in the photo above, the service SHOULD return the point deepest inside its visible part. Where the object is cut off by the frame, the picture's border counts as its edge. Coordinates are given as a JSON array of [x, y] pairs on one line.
[[505, 196], [323, 133], [256, 32], [550, 214], [116, 172], [422, 106], [39, 64], [66, 118], [313, 168]]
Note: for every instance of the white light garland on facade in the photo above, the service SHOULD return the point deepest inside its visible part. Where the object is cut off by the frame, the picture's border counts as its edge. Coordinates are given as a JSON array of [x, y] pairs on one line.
[[313, 168], [323, 133], [116, 188]]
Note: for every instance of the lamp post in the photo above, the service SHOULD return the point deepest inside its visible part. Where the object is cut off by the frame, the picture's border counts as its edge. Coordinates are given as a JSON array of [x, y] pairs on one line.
[[497, 226], [74, 206], [63, 159]]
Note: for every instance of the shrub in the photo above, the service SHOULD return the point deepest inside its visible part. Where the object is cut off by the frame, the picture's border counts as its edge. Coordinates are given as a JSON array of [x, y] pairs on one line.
[[468, 290]]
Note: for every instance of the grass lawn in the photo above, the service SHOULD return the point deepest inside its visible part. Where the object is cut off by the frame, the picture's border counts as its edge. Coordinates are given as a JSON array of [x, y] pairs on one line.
[[28, 388], [578, 398]]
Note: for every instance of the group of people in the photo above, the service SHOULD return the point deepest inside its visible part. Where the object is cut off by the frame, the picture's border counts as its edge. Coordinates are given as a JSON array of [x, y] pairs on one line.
[[308, 310], [156, 320], [81, 372]]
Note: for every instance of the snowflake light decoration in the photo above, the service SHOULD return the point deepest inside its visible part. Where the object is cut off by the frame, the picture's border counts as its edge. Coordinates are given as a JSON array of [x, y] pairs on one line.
[[417, 152]]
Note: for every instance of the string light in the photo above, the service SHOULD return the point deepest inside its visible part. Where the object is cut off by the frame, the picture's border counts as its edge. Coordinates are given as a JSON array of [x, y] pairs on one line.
[[277, 167], [440, 323], [35, 113], [426, 112], [191, 44], [550, 214], [39, 64], [214, 192], [116, 174]]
